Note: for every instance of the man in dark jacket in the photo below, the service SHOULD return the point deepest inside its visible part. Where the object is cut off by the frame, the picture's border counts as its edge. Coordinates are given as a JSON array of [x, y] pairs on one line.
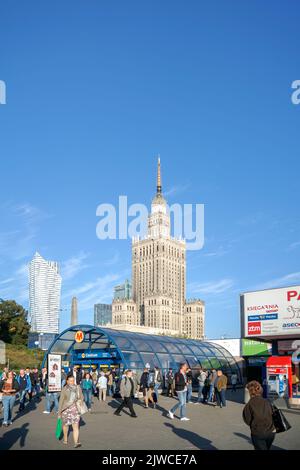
[[24, 387], [170, 382], [181, 390]]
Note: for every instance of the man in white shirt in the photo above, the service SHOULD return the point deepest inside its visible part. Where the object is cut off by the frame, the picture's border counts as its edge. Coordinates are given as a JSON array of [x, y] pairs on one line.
[[102, 386]]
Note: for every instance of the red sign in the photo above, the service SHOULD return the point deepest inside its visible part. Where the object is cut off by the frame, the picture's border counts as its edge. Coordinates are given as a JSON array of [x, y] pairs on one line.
[[254, 328]]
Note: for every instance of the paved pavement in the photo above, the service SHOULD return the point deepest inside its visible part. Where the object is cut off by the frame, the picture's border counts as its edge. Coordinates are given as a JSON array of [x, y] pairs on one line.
[[209, 429]]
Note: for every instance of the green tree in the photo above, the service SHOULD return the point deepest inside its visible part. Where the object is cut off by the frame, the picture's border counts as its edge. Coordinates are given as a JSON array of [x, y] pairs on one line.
[[14, 327]]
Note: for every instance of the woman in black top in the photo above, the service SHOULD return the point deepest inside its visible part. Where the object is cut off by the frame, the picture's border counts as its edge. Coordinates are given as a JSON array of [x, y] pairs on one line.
[[258, 415]]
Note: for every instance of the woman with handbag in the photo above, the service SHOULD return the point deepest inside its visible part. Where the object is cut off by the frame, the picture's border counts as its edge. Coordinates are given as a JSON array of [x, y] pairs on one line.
[[258, 414], [71, 407]]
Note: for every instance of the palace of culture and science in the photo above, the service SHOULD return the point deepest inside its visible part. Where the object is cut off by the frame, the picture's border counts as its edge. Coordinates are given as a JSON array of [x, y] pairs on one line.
[[158, 304]]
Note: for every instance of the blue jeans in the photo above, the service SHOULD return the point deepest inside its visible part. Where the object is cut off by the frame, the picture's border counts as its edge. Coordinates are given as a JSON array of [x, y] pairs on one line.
[[189, 393], [8, 404], [50, 398], [87, 395], [221, 398], [22, 400], [211, 393], [181, 404], [200, 392]]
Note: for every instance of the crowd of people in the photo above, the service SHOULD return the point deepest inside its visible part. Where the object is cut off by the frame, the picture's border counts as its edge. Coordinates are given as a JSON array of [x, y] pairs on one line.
[[80, 388]]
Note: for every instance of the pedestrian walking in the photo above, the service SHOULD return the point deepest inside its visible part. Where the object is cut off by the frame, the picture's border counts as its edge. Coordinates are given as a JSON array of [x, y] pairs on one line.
[[127, 391], [77, 374], [181, 390], [145, 388], [157, 382], [189, 376], [31, 381], [87, 390], [170, 383], [68, 411], [9, 387], [234, 379], [258, 415], [25, 385], [102, 387], [201, 384], [212, 380], [221, 387]]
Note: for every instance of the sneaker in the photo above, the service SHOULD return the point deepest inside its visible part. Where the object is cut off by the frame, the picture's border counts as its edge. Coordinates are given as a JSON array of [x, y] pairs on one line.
[[171, 415], [5, 424], [46, 412], [185, 419]]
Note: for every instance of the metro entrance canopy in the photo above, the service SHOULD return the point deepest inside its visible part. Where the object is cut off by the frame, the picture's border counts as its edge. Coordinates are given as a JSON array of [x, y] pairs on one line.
[[87, 345]]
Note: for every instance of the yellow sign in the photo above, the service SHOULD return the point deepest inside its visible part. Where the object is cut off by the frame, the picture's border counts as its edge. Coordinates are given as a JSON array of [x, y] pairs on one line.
[[79, 336]]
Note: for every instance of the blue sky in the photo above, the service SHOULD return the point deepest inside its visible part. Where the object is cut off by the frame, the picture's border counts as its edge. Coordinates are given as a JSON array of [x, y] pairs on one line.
[[95, 90]]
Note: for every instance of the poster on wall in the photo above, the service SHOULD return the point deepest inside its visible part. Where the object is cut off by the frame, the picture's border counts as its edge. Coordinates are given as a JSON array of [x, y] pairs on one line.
[[54, 373], [271, 313]]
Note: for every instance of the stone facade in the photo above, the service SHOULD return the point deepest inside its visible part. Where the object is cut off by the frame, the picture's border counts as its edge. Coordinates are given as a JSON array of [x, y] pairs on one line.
[[159, 280], [124, 311]]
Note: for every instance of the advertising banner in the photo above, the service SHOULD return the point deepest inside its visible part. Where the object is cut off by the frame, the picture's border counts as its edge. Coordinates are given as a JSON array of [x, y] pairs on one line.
[[271, 313], [54, 373], [251, 347]]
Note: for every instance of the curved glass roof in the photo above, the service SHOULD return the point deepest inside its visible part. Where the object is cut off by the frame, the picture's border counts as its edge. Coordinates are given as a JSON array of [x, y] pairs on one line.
[[135, 350]]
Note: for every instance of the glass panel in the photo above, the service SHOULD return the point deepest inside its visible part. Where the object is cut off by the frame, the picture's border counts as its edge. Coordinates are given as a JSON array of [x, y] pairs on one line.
[[165, 361], [142, 346], [124, 343], [185, 349], [131, 356], [172, 348], [149, 359], [192, 361]]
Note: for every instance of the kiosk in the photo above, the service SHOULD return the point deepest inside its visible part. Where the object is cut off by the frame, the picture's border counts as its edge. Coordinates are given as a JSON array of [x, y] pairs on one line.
[[279, 377]]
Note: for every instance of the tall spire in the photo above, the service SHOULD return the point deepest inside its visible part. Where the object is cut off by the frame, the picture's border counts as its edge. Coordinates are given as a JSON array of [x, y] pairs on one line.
[[159, 186]]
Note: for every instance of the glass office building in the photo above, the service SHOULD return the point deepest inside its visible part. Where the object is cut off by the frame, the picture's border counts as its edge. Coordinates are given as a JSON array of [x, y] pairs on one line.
[[102, 314], [123, 291], [126, 350]]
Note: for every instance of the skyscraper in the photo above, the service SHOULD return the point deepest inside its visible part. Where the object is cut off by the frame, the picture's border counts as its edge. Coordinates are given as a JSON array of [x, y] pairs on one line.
[[102, 314], [158, 268], [74, 312], [123, 291], [44, 295], [159, 280]]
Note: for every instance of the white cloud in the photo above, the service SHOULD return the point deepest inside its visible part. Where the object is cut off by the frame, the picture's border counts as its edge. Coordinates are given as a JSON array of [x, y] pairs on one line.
[[174, 190], [18, 243], [212, 287], [294, 245], [90, 293], [283, 281], [71, 267]]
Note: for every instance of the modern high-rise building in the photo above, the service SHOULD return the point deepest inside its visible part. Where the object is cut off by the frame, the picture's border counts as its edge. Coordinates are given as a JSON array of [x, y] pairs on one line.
[[44, 295], [102, 314], [159, 280], [123, 291]]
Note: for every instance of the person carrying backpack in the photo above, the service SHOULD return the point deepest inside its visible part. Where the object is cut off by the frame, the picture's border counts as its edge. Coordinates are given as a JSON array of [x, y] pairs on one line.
[[127, 391]]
